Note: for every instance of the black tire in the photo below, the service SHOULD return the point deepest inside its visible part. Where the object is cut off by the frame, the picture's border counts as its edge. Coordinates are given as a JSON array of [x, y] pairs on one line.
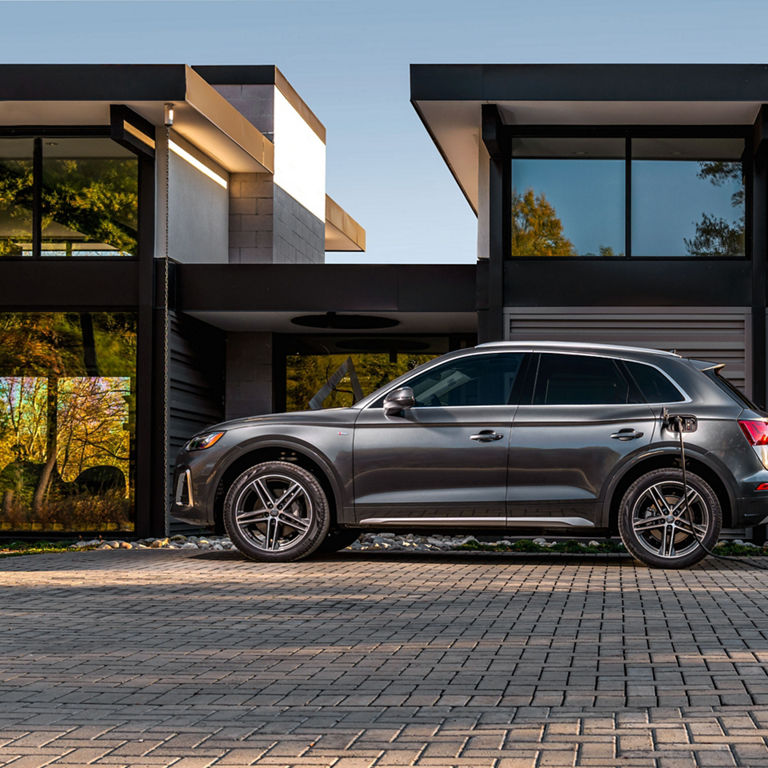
[[337, 540], [654, 525], [261, 528]]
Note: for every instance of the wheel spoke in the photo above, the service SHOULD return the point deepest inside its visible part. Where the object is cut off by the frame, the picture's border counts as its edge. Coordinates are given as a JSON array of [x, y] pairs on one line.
[[680, 504], [270, 537], [659, 500], [667, 548], [698, 530], [264, 494], [649, 523], [289, 496], [254, 516], [299, 523]]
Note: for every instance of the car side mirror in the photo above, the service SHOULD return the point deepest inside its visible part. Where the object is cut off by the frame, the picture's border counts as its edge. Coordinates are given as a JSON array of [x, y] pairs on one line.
[[398, 400]]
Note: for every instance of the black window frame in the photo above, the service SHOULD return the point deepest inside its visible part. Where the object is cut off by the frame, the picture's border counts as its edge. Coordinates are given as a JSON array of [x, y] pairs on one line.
[[638, 132], [38, 134]]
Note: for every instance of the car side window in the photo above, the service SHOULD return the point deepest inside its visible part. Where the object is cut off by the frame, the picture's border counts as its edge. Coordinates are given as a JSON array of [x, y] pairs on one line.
[[654, 385], [484, 379], [581, 380]]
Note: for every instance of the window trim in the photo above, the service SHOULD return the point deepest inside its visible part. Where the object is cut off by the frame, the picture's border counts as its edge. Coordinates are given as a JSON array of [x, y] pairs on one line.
[[37, 134], [604, 405], [629, 132], [526, 353]]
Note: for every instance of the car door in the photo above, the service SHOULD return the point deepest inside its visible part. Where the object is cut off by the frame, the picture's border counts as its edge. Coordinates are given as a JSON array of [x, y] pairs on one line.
[[584, 416], [445, 459]]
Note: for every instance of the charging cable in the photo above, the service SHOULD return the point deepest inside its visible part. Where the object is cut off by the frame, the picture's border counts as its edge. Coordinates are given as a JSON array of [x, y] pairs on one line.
[[678, 420]]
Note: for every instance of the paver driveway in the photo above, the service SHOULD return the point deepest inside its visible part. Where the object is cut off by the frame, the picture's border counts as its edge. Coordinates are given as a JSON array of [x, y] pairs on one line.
[[193, 659]]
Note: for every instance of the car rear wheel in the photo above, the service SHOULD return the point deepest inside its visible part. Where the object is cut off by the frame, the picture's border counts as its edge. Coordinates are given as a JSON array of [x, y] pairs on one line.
[[658, 529], [276, 511]]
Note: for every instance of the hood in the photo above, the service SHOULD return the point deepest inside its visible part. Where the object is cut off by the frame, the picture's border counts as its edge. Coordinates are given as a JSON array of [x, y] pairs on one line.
[[326, 416]]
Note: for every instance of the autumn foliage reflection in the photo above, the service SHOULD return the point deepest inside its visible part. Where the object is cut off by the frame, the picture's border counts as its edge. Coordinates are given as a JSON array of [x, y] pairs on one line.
[[67, 392]]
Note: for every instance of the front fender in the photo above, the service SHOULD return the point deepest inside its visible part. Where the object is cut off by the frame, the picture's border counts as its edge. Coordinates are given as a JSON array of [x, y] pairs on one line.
[[332, 466]]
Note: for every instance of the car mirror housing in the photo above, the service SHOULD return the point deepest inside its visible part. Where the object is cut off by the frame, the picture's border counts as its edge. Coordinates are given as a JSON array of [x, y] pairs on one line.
[[398, 400]]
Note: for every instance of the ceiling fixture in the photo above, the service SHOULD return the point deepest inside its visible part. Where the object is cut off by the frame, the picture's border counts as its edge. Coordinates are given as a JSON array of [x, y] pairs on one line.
[[345, 322]]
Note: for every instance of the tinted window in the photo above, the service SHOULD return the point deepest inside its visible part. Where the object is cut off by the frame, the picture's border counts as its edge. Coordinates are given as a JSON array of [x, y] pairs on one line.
[[475, 380], [580, 380], [654, 385]]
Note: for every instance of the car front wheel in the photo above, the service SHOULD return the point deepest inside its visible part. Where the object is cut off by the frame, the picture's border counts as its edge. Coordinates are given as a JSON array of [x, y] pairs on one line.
[[659, 528], [276, 511]]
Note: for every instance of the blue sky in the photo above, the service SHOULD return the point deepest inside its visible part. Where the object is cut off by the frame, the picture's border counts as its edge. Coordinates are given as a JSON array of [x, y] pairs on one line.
[[349, 60]]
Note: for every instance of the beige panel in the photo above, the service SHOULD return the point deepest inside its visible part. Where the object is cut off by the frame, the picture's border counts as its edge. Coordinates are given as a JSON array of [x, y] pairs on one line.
[[720, 334]]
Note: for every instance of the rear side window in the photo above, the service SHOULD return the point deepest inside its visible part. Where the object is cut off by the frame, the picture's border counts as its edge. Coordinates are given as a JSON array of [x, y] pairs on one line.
[[731, 389], [581, 380], [473, 380], [654, 385]]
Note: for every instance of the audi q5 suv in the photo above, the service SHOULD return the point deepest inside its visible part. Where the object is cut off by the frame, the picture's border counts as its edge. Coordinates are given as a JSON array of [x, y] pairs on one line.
[[508, 438]]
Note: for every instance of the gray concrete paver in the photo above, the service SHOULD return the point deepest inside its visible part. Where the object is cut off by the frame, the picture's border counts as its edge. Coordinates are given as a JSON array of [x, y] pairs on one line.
[[162, 658]]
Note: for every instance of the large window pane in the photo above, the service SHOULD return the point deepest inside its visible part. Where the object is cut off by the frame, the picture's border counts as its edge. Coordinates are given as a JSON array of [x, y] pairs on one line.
[[687, 197], [307, 374], [89, 198], [15, 197], [568, 197], [67, 421]]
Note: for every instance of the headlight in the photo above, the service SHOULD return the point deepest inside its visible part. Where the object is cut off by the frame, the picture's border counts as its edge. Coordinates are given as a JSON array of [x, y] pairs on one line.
[[200, 442]]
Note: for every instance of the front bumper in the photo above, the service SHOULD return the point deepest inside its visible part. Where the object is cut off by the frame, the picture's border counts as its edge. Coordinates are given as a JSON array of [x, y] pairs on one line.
[[189, 497]]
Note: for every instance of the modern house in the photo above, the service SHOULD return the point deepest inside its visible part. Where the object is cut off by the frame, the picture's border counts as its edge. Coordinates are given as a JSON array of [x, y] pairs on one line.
[[163, 232]]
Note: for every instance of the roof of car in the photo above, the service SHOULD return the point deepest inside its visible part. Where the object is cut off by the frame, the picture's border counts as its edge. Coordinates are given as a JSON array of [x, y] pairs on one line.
[[575, 345]]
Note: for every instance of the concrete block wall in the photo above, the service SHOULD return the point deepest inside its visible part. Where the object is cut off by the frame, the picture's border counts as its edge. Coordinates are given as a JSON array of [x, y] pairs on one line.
[[251, 209], [267, 226], [299, 236]]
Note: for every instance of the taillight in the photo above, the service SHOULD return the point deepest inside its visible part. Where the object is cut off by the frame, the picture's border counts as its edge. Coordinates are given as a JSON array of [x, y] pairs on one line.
[[755, 431]]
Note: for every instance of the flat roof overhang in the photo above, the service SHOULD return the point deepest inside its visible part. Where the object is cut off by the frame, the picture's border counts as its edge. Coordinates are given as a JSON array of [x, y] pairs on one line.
[[342, 232], [449, 97], [424, 298], [36, 95]]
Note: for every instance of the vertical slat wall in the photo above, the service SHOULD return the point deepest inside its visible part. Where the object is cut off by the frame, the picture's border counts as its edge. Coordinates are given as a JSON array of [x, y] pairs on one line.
[[720, 334], [196, 399]]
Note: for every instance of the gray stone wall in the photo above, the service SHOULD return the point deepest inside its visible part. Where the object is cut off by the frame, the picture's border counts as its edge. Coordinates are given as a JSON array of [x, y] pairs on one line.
[[299, 236], [251, 208], [249, 374], [267, 226]]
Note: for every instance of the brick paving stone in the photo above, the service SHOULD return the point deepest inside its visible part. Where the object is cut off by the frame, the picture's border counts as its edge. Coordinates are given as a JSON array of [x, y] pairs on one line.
[[163, 658]]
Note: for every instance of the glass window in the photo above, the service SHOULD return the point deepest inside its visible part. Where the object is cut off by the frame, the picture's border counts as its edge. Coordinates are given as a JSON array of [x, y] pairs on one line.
[[15, 197], [654, 385], [688, 197], [89, 198], [67, 421], [568, 197], [308, 374], [580, 380], [472, 380]]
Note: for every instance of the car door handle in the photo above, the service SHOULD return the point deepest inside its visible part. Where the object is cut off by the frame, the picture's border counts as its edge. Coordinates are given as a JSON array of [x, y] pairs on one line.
[[626, 434], [486, 436]]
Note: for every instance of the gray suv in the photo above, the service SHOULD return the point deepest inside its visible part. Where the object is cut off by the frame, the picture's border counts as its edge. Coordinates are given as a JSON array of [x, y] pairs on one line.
[[515, 438]]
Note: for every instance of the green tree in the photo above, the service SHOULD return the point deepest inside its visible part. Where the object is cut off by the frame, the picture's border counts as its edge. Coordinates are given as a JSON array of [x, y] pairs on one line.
[[536, 229], [715, 235]]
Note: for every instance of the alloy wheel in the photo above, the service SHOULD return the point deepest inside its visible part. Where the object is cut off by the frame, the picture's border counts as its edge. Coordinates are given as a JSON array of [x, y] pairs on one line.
[[274, 512], [660, 519]]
